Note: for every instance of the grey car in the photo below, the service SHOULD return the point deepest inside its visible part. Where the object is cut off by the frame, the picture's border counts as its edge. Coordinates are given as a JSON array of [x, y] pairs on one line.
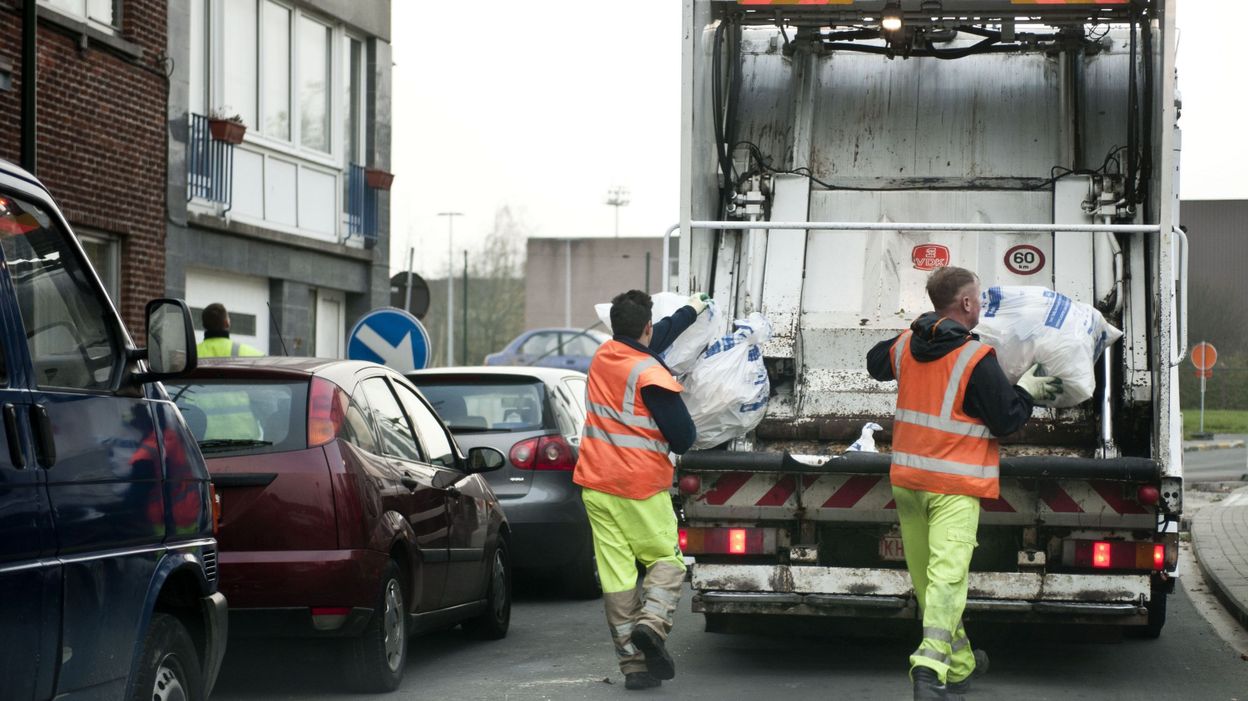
[[534, 416]]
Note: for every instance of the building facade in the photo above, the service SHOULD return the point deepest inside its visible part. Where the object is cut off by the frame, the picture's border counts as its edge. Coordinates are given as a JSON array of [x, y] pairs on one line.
[[565, 278], [101, 88], [285, 228]]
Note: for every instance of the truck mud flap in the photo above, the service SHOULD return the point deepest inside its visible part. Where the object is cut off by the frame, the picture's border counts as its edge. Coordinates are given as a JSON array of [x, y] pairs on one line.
[[1125, 469], [860, 592]]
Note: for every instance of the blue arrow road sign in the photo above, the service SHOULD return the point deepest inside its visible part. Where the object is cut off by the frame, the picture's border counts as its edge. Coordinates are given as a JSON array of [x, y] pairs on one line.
[[391, 337]]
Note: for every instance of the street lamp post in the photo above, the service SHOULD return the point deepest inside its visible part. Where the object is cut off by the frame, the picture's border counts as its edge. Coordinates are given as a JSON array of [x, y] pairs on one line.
[[617, 197], [450, 284]]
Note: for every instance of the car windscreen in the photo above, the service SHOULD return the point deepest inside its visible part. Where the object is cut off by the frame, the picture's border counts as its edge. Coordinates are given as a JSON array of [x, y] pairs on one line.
[[487, 404], [244, 417]]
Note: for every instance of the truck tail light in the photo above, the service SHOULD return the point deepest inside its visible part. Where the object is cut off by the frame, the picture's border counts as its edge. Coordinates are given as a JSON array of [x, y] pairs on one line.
[[1115, 555], [327, 409], [727, 541]]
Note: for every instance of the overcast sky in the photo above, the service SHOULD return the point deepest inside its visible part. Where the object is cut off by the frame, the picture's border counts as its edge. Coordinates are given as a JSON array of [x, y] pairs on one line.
[[548, 105]]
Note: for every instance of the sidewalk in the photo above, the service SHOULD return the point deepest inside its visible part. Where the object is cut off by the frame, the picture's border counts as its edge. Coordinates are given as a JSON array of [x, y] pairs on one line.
[[1220, 540]]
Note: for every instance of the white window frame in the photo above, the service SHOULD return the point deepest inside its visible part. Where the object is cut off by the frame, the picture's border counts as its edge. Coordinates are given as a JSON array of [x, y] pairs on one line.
[[335, 161], [112, 263], [84, 15]]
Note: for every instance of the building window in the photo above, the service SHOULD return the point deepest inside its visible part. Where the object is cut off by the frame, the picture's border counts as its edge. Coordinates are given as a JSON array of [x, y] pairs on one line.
[[104, 252], [314, 79], [98, 12], [275, 90], [240, 85]]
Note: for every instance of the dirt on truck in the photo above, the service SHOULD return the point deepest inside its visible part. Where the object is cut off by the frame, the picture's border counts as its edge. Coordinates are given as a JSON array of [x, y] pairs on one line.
[[836, 152]]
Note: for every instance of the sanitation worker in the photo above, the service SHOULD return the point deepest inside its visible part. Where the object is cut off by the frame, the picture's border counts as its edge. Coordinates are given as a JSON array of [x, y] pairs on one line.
[[229, 414], [953, 401], [635, 419], [217, 343]]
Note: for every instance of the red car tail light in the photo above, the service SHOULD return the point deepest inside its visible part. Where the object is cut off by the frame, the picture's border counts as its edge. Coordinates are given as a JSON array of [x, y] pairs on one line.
[[215, 500], [327, 407], [544, 453], [523, 454]]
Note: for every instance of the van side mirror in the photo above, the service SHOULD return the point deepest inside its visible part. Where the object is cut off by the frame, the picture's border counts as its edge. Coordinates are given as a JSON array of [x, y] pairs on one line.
[[170, 340], [484, 459]]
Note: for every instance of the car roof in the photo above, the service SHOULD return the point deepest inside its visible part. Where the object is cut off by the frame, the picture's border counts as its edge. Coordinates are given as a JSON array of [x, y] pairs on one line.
[[339, 371], [544, 374], [530, 332]]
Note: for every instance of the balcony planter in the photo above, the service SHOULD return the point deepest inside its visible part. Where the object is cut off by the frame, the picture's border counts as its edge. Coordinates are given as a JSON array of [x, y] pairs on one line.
[[378, 179], [227, 130]]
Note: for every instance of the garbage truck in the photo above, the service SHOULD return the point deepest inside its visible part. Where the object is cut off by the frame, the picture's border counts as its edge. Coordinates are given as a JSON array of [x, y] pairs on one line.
[[834, 153]]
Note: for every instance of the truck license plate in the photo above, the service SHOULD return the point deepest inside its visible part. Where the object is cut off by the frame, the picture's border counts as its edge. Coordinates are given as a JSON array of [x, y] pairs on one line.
[[891, 549]]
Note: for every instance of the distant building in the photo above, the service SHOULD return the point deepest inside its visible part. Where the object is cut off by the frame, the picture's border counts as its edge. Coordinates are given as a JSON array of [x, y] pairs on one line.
[[99, 132], [283, 228], [597, 270]]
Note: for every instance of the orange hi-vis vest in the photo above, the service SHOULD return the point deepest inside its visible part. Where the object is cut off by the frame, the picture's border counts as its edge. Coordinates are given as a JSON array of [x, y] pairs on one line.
[[622, 451], [937, 446]]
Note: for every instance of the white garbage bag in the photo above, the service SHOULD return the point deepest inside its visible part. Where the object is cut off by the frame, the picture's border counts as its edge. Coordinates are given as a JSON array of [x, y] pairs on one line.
[[685, 350], [866, 441], [1030, 325], [727, 390]]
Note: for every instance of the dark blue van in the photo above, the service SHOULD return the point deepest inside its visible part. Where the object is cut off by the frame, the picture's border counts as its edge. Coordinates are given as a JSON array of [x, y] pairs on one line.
[[107, 558]]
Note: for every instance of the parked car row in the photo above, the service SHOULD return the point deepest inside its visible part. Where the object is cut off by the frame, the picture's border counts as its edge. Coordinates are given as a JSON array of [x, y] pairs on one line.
[[315, 498]]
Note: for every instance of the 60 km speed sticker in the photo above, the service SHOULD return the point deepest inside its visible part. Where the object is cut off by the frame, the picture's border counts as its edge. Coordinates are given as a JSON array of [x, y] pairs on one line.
[[1024, 259]]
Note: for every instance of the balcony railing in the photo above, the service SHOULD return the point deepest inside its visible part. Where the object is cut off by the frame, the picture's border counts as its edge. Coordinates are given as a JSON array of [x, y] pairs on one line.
[[209, 165], [361, 206]]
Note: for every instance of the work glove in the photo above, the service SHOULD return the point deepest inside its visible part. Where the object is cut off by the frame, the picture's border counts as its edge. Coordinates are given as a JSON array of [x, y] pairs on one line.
[[1040, 387], [699, 300]]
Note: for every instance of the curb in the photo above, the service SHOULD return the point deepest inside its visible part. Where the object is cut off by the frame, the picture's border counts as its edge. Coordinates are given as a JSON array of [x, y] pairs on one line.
[[1219, 445], [1237, 608]]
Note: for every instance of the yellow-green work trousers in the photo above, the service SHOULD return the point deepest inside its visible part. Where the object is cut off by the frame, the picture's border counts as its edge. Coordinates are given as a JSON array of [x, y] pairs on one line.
[[938, 534], [627, 531]]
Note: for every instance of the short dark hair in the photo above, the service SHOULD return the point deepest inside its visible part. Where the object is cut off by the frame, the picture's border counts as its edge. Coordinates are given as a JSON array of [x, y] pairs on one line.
[[215, 317], [630, 312], [944, 284]]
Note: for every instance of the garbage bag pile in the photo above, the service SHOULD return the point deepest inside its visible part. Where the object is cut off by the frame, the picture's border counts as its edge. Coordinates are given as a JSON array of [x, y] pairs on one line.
[[725, 380], [1029, 325]]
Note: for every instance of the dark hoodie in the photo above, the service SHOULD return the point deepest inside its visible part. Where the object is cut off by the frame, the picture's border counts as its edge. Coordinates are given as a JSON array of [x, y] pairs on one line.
[[990, 397]]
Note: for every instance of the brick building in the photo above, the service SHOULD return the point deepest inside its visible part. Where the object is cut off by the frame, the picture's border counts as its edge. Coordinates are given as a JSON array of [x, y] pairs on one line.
[[101, 90]]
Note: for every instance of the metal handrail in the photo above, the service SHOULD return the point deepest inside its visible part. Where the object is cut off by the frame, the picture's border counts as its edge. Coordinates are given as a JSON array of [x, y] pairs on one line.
[[1180, 284], [209, 165], [361, 205]]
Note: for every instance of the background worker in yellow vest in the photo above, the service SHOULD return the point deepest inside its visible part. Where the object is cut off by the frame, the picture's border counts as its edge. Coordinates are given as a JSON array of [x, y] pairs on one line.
[[229, 415], [217, 343], [953, 401], [635, 418]]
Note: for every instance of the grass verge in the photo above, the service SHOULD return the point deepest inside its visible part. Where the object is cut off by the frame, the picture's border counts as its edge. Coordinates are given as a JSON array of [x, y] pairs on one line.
[[1216, 421]]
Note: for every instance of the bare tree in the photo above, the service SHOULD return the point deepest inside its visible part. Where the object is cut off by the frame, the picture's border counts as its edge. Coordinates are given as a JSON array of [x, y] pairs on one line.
[[494, 296]]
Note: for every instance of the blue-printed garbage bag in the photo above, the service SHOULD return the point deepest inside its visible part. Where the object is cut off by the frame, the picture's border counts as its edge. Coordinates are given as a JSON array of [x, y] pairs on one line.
[[1029, 325], [727, 390]]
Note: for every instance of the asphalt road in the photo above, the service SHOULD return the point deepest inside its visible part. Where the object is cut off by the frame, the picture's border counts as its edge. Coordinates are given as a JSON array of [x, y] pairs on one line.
[[559, 649], [1226, 465]]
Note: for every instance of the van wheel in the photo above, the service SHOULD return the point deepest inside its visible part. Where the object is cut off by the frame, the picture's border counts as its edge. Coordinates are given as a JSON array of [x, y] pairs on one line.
[[169, 666], [375, 660], [493, 624]]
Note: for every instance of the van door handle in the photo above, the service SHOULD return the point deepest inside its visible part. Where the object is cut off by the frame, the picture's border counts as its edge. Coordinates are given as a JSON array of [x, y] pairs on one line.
[[409, 481], [13, 437], [45, 444]]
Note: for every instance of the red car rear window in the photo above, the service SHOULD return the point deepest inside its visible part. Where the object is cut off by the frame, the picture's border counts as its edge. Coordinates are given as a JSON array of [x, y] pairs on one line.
[[244, 418]]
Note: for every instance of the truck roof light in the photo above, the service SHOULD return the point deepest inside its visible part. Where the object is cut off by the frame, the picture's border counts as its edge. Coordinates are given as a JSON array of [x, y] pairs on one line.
[[891, 20]]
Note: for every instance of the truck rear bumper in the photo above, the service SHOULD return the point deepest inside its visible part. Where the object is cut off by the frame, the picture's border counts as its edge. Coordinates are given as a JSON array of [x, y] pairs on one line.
[[884, 593]]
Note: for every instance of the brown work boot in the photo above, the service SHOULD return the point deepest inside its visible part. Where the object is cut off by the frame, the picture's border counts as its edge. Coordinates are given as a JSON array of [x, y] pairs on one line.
[[658, 661], [638, 681]]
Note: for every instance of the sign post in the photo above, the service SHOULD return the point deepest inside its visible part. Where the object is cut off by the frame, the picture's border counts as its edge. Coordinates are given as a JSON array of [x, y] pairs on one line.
[[1204, 357]]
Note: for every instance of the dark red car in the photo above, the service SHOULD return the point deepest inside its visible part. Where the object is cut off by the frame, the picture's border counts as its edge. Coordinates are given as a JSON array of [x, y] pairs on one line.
[[347, 509]]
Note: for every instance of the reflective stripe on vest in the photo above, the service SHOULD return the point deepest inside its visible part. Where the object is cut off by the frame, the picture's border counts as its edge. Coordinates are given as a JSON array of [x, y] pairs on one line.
[[899, 348], [620, 440], [936, 445]]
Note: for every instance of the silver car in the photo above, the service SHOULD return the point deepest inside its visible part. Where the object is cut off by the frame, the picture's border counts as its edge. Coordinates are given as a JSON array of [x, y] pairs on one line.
[[534, 416]]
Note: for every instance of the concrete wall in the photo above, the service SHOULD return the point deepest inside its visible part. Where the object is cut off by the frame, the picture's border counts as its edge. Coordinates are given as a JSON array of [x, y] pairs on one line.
[[601, 269]]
